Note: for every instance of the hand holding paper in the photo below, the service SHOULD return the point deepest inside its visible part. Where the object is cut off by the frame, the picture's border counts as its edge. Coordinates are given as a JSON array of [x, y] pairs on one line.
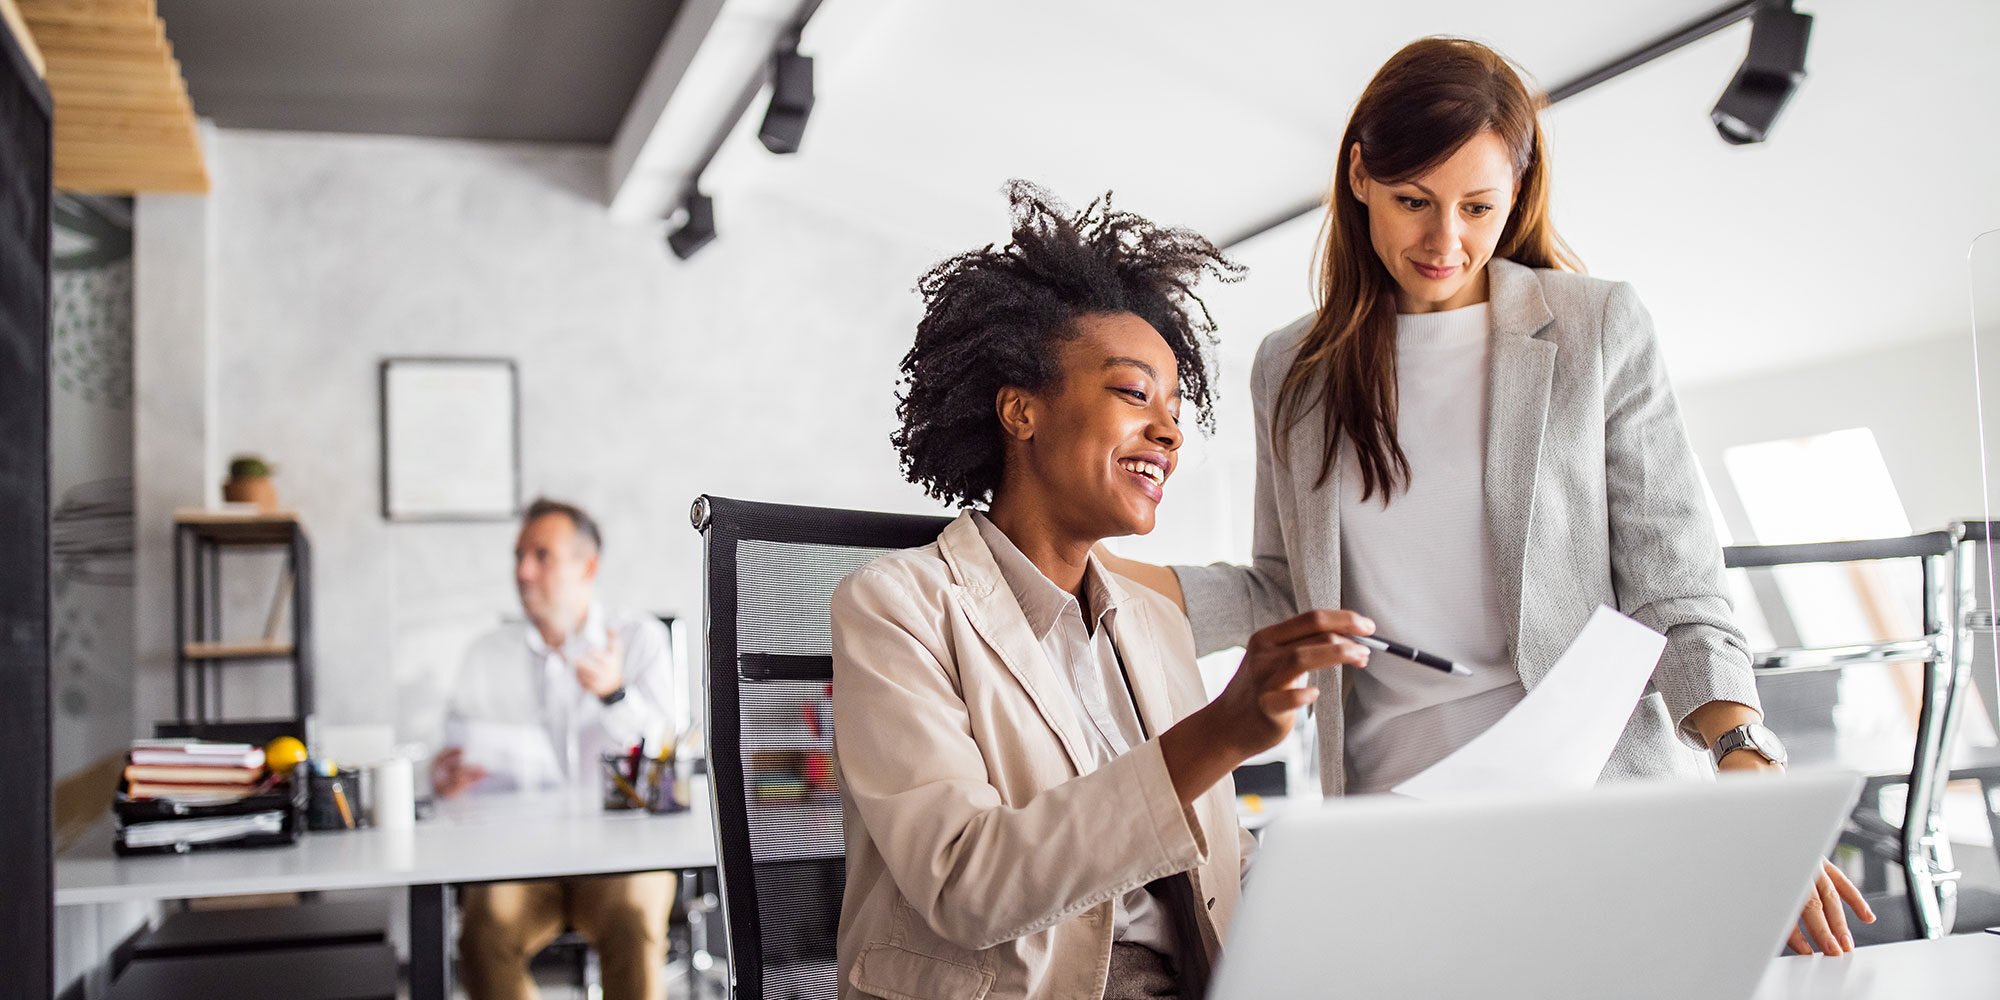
[[509, 756]]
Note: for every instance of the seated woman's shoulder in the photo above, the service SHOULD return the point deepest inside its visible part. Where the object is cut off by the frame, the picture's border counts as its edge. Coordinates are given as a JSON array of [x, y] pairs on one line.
[[904, 572]]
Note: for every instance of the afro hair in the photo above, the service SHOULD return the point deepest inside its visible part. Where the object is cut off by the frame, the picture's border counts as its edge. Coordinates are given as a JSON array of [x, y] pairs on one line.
[[997, 317]]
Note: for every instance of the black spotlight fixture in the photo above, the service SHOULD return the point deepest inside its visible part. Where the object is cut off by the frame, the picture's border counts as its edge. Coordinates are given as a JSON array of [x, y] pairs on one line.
[[791, 101], [697, 230], [1770, 74]]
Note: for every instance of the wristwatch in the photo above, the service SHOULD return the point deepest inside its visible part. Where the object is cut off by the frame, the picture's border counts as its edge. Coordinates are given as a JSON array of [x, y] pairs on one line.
[[614, 697], [1754, 737]]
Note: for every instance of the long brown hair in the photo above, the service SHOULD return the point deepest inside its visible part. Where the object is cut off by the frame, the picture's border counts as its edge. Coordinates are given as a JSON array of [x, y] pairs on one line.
[[1422, 105]]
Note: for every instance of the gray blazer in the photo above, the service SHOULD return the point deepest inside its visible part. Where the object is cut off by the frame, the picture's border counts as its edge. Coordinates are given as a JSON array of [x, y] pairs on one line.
[[1592, 496]]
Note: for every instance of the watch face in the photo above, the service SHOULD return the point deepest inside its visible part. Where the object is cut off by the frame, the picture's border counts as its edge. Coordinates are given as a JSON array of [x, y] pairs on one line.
[[1766, 742]]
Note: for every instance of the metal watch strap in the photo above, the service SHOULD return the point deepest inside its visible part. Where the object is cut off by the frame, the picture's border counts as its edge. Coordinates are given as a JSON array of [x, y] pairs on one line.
[[1739, 738]]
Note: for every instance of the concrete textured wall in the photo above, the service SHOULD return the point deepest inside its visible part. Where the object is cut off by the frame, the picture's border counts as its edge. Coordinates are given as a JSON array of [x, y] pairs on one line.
[[763, 368], [173, 455]]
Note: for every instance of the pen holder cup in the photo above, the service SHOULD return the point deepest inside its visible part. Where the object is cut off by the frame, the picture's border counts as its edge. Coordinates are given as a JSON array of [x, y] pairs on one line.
[[655, 788], [333, 802]]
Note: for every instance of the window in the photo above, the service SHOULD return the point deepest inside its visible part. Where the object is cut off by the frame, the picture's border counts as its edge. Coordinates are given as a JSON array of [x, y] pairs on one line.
[[1829, 487]]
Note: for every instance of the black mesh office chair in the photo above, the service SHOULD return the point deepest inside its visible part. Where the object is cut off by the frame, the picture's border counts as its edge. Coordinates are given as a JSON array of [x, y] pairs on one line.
[[771, 570]]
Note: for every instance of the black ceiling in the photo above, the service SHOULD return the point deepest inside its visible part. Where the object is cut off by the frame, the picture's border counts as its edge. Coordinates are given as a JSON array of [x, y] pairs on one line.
[[527, 70]]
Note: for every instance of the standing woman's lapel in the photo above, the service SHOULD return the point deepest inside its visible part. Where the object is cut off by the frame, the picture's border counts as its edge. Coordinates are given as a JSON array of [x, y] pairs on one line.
[[1520, 375], [1303, 446], [1299, 443]]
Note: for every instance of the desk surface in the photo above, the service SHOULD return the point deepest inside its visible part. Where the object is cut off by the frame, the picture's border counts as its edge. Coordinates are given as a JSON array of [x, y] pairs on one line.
[[1959, 967], [473, 839]]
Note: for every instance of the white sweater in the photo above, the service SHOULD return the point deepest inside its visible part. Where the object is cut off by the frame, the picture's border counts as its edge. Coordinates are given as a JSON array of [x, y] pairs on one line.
[[1422, 567]]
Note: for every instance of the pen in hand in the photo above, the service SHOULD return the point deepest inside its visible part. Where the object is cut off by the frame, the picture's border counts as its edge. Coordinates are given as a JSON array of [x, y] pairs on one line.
[[1410, 653]]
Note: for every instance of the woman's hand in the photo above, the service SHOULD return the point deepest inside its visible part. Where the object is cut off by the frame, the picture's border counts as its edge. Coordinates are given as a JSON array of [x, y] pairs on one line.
[[1823, 924], [1263, 699]]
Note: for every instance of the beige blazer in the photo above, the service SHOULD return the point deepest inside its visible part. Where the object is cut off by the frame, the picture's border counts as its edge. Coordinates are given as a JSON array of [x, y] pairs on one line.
[[979, 864], [1592, 497]]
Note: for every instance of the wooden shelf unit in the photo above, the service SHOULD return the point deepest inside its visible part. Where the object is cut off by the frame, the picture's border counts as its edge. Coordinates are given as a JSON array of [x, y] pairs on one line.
[[205, 656], [252, 650]]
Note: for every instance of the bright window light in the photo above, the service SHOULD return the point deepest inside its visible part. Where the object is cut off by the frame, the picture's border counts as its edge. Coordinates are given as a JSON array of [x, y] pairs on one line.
[[1815, 489], [1830, 487]]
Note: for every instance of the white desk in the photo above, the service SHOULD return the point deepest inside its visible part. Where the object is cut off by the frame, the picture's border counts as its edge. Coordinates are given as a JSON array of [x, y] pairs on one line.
[[474, 839], [1959, 967]]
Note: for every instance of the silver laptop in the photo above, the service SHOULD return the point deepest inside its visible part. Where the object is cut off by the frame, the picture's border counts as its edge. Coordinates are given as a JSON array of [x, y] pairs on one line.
[[1666, 889]]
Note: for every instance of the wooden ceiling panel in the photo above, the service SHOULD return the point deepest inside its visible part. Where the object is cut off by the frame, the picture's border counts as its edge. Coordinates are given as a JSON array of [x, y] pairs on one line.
[[123, 122], [130, 10]]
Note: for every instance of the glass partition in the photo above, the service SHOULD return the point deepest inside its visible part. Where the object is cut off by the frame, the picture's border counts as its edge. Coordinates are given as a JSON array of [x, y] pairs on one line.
[[1978, 619]]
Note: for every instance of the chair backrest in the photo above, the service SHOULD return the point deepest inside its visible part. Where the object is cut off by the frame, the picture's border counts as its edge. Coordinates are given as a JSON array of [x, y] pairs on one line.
[[771, 570], [1802, 702]]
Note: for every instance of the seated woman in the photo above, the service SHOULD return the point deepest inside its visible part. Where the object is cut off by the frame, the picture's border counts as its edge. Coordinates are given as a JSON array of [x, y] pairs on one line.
[[1037, 800]]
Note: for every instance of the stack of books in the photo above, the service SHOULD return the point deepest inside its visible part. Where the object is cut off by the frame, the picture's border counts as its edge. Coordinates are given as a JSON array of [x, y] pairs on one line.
[[192, 770], [179, 795]]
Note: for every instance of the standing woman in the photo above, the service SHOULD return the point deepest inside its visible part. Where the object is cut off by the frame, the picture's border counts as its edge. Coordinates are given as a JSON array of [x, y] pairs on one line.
[[1474, 445]]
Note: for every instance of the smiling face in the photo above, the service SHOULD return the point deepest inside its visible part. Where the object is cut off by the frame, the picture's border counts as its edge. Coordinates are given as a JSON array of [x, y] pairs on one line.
[[1436, 231], [1094, 452]]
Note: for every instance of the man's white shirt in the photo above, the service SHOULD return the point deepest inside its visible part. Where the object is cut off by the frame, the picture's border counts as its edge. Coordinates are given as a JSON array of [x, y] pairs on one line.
[[518, 711]]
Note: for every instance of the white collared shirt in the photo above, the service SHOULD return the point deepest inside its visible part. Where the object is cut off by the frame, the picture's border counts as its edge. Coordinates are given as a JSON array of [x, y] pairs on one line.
[[518, 711], [1088, 661]]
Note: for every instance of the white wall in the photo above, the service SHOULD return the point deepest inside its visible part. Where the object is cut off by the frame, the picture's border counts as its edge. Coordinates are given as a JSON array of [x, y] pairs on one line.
[[761, 369], [1916, 398]]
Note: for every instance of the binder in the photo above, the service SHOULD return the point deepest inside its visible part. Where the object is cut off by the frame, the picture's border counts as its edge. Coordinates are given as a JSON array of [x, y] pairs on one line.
[[286, 799]]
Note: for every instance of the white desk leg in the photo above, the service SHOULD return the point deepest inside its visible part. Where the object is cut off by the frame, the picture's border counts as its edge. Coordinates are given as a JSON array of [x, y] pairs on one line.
[[430, 942]]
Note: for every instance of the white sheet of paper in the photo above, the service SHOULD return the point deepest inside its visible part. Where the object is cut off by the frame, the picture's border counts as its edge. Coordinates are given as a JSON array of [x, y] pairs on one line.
[[516, 756], [1563, 731]]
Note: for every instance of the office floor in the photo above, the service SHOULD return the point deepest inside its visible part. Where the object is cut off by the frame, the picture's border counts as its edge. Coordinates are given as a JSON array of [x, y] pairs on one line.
[[557, 980], [1973, 854], [1980, 865], [1980, 868], [560, 984]]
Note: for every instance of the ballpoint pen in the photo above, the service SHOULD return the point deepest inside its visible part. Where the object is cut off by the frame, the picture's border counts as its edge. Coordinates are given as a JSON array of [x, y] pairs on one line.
[[1410, 653]]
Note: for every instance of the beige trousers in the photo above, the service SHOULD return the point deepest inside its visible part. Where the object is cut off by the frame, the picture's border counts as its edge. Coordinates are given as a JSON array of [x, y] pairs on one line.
[[503, 924]]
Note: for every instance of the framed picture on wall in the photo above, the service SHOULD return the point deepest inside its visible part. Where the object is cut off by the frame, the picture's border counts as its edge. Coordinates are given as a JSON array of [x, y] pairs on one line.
[[451, 439]]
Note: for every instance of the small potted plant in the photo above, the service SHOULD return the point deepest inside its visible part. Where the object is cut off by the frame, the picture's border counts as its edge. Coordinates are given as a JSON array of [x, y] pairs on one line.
[[250, 482]]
